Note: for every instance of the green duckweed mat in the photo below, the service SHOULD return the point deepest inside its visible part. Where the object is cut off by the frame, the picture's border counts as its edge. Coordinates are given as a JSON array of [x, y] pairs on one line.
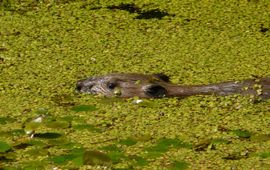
[[47, 45]]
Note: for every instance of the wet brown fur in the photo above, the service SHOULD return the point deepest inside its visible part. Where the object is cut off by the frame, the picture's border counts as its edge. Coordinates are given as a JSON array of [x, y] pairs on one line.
[[158, 86]]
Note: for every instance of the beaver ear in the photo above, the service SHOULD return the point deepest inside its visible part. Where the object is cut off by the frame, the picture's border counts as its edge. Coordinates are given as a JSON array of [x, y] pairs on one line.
[[162, 77], [155, 91]]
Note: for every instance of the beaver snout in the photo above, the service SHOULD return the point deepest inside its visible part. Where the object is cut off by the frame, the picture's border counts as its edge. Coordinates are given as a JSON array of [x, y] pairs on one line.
[[83, 86], [79, 86]]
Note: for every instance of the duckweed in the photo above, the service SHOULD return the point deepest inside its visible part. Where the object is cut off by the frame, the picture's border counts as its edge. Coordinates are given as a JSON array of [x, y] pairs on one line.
[[46, 46]]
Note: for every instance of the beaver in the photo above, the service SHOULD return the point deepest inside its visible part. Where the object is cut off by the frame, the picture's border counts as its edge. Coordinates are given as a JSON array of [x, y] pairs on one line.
[[128, 85]]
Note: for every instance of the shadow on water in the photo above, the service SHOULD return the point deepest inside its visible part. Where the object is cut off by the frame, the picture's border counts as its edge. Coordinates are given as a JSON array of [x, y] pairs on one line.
[[142, 14]]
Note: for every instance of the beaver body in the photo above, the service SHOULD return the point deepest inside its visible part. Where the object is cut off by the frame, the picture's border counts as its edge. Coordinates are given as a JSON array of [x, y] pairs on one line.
[[158, 86]]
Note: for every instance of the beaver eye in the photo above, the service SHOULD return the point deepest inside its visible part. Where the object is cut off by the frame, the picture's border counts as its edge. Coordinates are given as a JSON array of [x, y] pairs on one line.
[[111, 86]]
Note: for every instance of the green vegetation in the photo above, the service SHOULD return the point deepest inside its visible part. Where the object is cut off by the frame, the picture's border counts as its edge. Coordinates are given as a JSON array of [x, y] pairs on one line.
[[47, 45]]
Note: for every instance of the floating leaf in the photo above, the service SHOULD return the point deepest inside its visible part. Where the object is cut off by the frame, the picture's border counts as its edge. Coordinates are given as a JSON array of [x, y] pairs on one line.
[[4, 147], [61, 159], [87, 127], [77, 151], [37, 151], [82, 108], [264, 154], [140, 161], [5, 120], [128, 142], [48, 135], [96, 158], [75, 154], [163, 146], [67, 118], [116, 156], [80, 156], [78, 160], [241, 133], [114, 152], [158, 148], [179, 165], [154, 153], [175, 143]]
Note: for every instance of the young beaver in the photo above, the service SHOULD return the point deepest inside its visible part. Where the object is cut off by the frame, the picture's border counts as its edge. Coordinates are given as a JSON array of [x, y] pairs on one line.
[[158, 86]]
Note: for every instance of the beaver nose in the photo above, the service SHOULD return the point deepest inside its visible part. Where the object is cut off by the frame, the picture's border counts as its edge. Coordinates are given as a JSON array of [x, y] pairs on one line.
[[79, 86], [83, 86]]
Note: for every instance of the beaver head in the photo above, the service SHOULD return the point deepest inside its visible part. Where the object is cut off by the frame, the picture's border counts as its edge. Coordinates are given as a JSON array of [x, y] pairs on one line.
[[125, 85]]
